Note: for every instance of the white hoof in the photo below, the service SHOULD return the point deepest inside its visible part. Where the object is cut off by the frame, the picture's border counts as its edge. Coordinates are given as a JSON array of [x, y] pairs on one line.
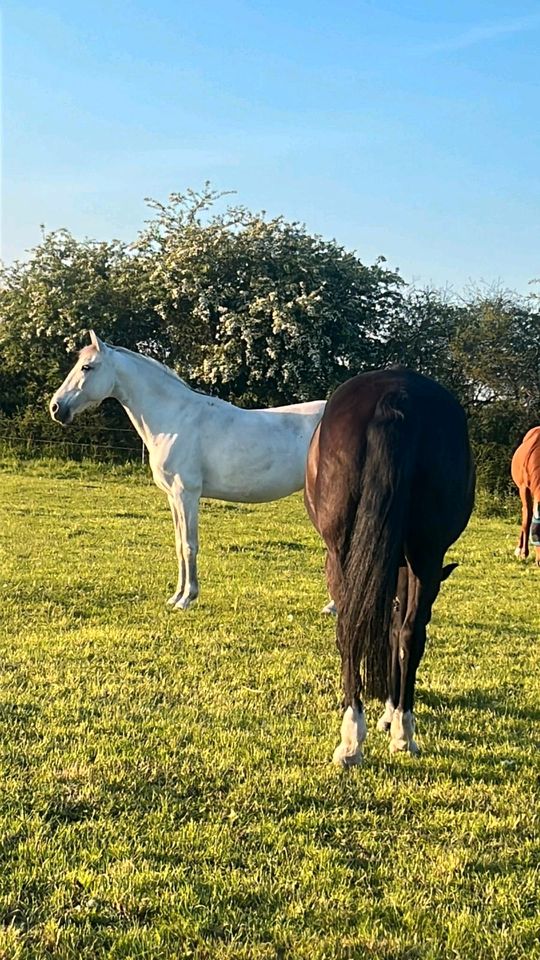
[[402, 734], [184, 603], [383, 723], [353, 733], [330, 608], [405, 746], [343, 757], [519, 554], [178, 602]]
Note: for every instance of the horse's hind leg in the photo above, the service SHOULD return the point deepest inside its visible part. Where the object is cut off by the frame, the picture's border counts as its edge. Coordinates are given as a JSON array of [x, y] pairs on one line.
[[412, 641], [348, 753], [333, 580], [394, 668]]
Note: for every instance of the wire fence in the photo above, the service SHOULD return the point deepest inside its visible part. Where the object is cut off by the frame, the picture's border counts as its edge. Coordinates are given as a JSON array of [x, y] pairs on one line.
[[74, 449]]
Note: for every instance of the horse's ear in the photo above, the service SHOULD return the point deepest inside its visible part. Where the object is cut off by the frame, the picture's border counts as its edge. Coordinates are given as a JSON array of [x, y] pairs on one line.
[[95, 341], [447, 570]]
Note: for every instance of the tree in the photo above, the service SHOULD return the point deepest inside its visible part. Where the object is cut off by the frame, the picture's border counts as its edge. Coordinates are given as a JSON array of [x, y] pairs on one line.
[[498, 346], [422, 335], [48, 303], [499, 349], [259, 310]]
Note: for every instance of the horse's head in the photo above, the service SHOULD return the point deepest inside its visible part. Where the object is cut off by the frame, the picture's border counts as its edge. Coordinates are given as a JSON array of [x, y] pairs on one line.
[[89, 382]]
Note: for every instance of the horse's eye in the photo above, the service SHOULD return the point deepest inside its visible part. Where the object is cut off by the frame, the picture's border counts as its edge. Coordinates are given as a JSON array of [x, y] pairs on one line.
[[86, 366]]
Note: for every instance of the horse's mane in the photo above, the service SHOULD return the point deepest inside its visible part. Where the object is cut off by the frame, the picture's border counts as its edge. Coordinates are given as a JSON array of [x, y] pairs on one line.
[[156, 363], [89, 350]]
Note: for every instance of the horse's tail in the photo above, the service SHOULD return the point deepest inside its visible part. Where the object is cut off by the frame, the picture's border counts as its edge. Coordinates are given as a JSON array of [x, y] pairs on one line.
[[375, 549]]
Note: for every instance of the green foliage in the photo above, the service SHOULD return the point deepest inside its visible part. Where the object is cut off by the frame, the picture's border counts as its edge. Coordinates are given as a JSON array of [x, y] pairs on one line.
[[487, 351], [258, 309], [48, 303], [422, 335], [260, 312], [167, 785], [498, 346]]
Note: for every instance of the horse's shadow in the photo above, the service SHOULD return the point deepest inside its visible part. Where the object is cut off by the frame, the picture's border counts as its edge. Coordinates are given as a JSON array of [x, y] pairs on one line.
[[505, 629], [263, 547], [482, 700]]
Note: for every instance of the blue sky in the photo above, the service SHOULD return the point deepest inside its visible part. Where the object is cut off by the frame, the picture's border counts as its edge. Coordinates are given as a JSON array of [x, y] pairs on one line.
[[408, 129]]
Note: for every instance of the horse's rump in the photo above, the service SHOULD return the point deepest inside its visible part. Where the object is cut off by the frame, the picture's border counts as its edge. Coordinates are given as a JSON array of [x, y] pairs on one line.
[[390, 486], [375, 548], [525, 467]]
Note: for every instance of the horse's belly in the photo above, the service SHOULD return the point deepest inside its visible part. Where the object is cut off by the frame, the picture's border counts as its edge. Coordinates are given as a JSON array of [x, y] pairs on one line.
[[255, 483]]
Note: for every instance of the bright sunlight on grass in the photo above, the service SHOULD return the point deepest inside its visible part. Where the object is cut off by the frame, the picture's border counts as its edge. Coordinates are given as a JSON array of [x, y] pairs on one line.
[[167, 790]]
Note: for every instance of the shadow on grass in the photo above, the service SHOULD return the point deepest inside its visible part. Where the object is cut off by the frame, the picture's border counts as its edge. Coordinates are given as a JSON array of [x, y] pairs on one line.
[[506, 630], [483, 700], [264, 547]]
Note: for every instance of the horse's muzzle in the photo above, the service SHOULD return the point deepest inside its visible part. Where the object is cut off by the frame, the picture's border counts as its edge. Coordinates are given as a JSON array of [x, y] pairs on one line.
[[60, 412]]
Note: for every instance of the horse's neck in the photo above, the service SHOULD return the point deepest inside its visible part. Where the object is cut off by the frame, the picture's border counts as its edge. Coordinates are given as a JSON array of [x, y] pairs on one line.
[[150, 396]]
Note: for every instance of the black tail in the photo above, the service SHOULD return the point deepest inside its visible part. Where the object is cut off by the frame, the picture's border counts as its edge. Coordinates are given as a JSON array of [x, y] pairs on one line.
[[371, 564]]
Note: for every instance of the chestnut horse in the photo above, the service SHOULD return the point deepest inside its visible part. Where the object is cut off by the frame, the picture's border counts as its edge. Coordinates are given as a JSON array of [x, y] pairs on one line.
[[526, 475], [389, 486]]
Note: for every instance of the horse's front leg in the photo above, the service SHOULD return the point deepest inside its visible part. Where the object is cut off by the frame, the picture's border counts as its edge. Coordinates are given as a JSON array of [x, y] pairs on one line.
[[185, 512], [422, 591], [178, 593], [394, 665], [522, 549]]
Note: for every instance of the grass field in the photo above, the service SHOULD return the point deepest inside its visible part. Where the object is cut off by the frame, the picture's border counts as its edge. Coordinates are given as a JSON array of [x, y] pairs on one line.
[[167, 790]]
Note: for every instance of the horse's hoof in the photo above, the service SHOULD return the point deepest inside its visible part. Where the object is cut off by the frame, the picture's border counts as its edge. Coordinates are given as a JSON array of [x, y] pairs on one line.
[[330, 608], [405, 746], [178, 602], [184, 603], [385, 721], [343, 757]]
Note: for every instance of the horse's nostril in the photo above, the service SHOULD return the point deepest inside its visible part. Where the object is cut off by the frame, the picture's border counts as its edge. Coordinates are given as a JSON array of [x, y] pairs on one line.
[[54, 407]]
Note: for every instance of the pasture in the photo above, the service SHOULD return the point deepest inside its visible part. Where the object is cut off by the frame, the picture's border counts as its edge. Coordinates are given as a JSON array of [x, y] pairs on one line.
[[167, 790]]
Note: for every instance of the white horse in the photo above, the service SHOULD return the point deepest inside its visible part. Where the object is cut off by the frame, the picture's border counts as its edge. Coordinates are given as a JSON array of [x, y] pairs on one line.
[[198, 446]]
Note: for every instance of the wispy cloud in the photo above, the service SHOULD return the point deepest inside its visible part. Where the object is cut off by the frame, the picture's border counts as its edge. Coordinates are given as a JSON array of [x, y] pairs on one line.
[[483, 33]]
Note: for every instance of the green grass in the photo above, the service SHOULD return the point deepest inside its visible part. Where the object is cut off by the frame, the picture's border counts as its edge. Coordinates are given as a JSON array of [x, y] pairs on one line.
[[167, 790]]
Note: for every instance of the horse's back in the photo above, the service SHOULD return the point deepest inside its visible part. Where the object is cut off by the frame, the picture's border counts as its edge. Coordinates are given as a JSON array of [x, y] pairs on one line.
[[309, 408]]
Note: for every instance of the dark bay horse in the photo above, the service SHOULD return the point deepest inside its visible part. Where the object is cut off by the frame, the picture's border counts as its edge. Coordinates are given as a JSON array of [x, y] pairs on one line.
[[389, 486], [526, 475]]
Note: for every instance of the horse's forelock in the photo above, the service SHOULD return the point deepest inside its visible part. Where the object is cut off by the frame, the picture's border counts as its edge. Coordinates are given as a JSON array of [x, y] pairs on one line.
[[87, 352]]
